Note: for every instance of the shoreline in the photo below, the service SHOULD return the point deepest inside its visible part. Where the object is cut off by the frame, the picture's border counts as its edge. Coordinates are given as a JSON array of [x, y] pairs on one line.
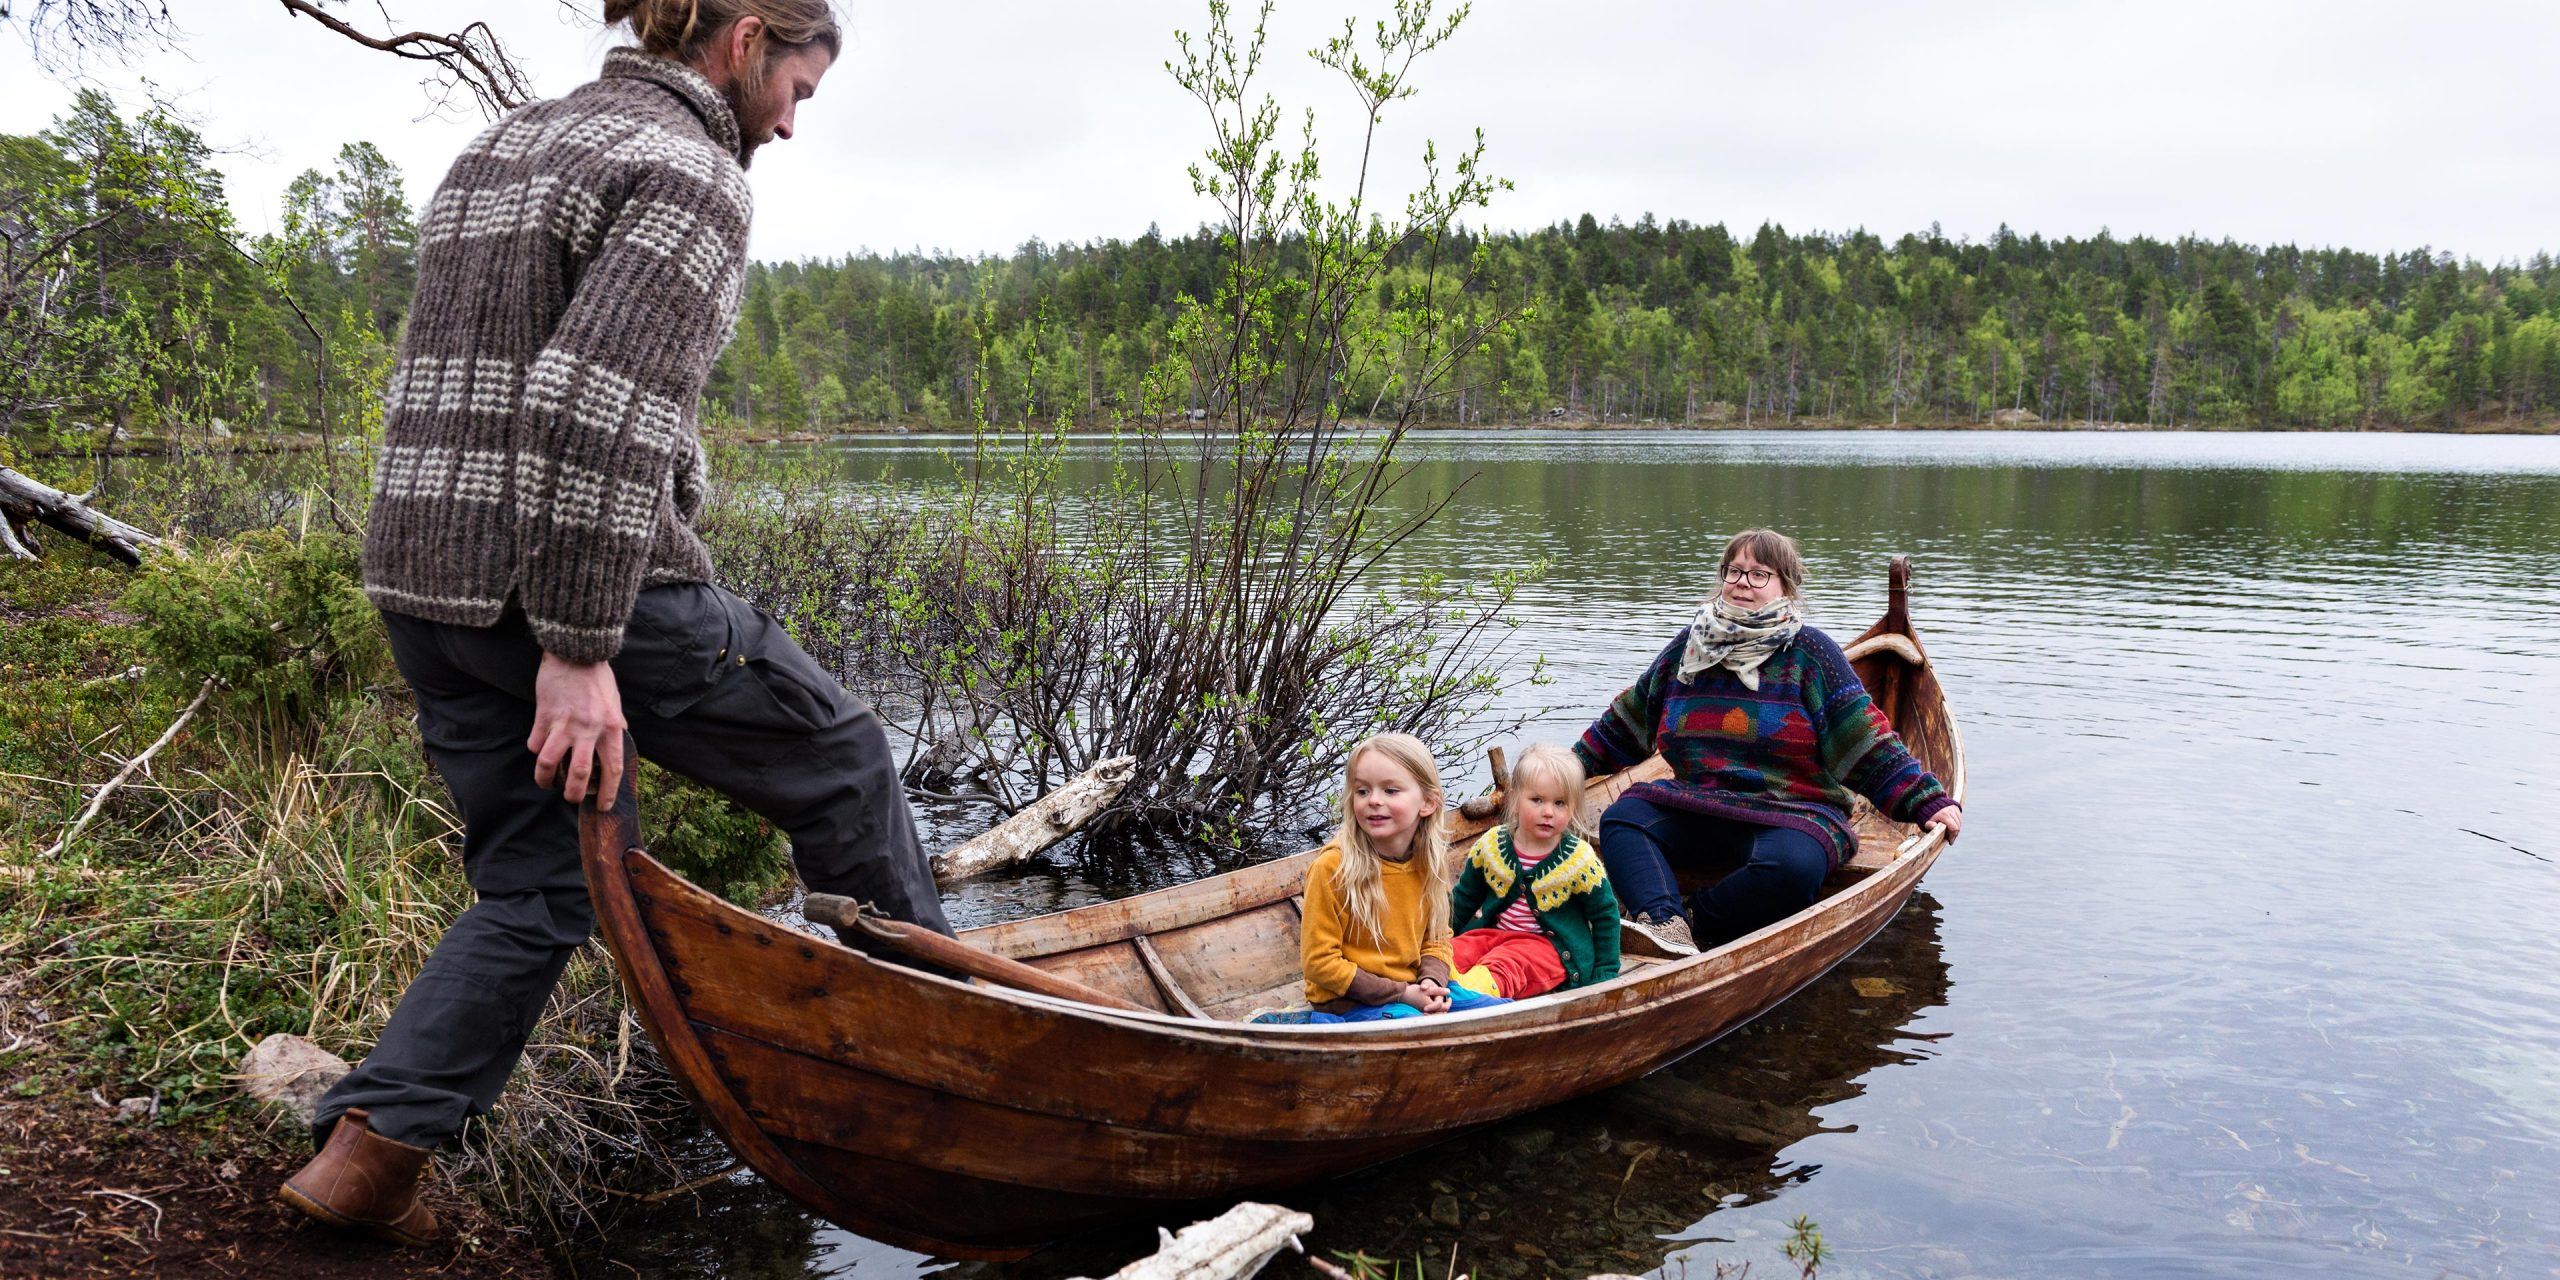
[[304, 441], [2498, 427]]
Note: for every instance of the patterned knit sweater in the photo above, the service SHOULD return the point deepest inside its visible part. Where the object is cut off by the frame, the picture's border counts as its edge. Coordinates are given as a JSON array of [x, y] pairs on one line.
[[1568, 890], [578, 270], [1785, 755]]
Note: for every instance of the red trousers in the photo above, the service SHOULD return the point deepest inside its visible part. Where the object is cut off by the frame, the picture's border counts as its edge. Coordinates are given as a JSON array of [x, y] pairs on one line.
[[1522, 964]]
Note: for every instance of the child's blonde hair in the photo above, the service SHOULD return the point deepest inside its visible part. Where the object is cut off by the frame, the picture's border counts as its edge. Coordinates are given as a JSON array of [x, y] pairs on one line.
[[1556, 766], [1358, 878]]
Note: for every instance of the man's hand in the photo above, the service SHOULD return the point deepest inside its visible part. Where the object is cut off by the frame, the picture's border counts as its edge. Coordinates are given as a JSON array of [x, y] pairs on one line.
[[577, 716]]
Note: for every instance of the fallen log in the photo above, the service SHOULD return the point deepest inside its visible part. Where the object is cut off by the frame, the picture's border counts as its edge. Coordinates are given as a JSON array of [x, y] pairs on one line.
[[1047, 821], [23, 498], [1232, 1246]]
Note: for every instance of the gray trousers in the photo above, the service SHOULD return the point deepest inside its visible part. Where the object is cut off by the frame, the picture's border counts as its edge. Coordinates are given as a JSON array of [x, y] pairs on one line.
[[714, 690]]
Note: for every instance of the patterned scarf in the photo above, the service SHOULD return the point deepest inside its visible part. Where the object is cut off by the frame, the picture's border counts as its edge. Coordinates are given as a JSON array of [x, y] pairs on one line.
[[1728, 635]]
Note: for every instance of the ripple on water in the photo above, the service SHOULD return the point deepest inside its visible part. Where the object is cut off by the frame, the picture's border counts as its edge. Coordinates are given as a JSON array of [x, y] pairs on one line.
[[2243, 967]]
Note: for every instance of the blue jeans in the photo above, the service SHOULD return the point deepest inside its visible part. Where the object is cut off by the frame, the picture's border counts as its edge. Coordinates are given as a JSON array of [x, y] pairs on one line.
[[1778, 871]]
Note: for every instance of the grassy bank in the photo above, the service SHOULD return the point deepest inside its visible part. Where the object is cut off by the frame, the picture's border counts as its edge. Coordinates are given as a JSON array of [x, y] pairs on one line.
[[283, 864]]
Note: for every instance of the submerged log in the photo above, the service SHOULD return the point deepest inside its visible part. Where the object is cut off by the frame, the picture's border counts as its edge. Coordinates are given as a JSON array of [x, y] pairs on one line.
[[1048, 820], [24, 499], [1232, 1246]]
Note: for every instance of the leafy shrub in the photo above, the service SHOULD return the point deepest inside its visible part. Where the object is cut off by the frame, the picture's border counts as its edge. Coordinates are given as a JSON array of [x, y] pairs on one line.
[[708, 838], [279, 618]]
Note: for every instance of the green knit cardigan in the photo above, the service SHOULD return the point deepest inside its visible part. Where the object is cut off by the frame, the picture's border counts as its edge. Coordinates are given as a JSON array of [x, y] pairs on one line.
[[1569, 891]]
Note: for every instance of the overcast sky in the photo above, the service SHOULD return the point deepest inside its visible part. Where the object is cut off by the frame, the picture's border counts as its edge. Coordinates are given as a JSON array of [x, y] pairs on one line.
[[975, 126]]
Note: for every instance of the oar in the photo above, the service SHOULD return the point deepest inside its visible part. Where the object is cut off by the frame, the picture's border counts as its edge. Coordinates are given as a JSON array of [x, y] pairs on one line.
[[951, 953]]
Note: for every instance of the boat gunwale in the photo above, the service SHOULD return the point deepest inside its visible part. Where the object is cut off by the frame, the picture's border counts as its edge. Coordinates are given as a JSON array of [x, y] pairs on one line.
[[1522, 1018]]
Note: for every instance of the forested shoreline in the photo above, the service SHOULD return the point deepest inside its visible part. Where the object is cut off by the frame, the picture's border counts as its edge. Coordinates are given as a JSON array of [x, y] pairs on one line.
[[154, 318], [1686, 324]]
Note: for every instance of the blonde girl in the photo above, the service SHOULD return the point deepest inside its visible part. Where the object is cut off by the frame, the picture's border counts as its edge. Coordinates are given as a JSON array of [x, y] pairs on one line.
[[1376, 930], [1532, 909]]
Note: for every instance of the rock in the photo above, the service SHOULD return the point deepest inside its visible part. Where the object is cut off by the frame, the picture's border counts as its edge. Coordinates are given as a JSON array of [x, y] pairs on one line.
[[290, 1073], [218, 429], [2015, 418], [1529, 1144], [1445, 1211], [1527, 1250], [133, 1109]]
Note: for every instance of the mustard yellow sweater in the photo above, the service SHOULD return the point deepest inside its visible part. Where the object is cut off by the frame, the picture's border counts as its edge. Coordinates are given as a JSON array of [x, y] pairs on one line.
[[1328, 953]]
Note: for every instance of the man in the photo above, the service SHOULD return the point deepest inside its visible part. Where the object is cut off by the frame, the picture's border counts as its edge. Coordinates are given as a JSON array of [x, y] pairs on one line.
[[531, 548]]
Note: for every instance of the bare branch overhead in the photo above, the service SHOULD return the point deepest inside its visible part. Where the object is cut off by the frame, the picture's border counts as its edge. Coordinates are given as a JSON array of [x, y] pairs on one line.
[[64, 35], [469, 60]]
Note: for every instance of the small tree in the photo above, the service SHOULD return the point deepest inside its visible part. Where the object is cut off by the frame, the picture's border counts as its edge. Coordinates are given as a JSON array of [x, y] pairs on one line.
[[1216, 612]]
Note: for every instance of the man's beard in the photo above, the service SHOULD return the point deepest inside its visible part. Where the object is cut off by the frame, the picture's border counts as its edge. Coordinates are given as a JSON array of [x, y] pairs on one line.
[[752, 133]]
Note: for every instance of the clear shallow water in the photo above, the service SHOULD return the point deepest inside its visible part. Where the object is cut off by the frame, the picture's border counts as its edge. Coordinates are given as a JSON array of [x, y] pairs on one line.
[[2244, 966]]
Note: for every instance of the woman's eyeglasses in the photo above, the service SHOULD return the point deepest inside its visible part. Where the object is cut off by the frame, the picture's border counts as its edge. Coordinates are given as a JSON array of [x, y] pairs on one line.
[[1741, 577]]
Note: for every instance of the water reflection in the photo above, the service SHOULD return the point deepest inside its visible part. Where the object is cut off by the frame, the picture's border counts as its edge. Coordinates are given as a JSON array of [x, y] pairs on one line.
[[2243, 966], [1621, 1181]]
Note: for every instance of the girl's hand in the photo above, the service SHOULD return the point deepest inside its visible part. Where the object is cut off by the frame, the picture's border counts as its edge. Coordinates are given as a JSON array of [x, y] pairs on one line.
[[1951, 818], [1428, 996]]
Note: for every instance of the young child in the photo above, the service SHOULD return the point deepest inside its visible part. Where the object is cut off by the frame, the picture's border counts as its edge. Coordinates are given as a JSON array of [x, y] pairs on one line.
[[1374, 938], [1533, 911]]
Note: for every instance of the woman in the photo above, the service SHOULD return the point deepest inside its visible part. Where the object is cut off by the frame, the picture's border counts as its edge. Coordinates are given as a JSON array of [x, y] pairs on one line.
[[1767, 731]]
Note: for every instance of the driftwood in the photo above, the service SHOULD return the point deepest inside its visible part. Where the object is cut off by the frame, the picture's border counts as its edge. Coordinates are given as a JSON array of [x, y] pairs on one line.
[[1232, 1246], [99, 801], [938, 765], [1047, 821], [24, 500]]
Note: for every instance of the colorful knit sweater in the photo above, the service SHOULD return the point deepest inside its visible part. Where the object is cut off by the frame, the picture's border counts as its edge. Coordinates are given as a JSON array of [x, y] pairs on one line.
[[578, 269], [1787, 754], [1569, 889], [1332, 947]]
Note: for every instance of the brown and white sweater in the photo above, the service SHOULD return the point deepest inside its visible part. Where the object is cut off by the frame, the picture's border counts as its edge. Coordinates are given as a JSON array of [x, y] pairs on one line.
[[578, 270]]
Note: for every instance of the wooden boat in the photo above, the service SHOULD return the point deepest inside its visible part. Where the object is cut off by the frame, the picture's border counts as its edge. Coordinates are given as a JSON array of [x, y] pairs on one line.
[[978, 1120]]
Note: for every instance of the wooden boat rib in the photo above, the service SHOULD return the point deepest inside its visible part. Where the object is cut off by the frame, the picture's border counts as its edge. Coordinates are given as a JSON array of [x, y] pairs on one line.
[[980, 1121]]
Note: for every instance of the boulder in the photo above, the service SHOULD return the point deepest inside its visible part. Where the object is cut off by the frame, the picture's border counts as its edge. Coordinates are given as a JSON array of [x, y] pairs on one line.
[[289, 1073]]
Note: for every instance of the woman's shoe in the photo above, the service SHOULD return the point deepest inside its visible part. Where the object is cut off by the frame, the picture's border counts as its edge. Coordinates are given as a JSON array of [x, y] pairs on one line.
[[1671, 937]]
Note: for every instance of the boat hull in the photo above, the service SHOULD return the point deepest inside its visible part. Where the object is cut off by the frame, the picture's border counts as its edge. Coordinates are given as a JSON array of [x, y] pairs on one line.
[[980, 1121]]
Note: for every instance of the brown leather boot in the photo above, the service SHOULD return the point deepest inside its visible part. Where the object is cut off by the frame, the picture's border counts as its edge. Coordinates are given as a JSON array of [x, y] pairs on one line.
[[363, 1181]]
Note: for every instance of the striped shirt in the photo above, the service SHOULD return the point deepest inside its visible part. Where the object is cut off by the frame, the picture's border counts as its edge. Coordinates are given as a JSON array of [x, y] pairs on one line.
[[1520, 917]]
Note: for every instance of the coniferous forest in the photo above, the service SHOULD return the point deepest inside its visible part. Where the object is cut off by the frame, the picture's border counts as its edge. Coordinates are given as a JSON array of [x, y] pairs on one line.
[[1677, 322], [154, 316]]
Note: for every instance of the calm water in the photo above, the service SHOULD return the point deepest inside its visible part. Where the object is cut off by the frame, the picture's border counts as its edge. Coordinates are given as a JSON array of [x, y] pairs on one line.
[[2243, 967]]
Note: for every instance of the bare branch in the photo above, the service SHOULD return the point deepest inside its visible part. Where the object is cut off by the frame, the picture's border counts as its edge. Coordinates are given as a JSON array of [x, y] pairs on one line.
[[65, 35], [470, 59]]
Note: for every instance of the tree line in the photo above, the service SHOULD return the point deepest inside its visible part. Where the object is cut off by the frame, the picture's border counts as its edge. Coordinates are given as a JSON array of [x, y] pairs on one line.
[[1682, 323], [134, 305]]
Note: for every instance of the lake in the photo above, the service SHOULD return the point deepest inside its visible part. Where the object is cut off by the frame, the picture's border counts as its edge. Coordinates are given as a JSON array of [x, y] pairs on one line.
[[2244, 965]]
